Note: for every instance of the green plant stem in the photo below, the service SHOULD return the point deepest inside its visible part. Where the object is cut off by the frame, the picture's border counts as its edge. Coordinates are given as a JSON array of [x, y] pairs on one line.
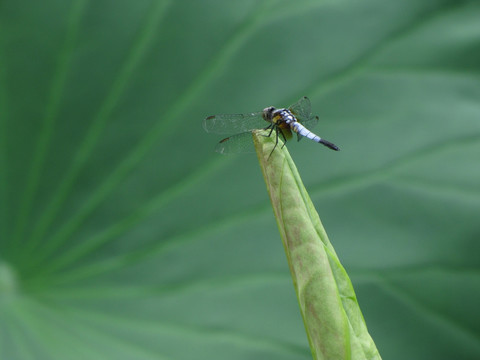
[[333, 321]]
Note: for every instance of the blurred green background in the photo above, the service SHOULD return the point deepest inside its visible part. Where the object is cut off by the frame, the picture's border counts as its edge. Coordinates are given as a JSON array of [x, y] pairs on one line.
[[124, 236]]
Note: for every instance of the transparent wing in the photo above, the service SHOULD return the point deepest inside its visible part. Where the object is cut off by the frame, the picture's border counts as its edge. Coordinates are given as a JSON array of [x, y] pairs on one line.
[[310, 123], [233, 123], [302, 110], [240, 143]]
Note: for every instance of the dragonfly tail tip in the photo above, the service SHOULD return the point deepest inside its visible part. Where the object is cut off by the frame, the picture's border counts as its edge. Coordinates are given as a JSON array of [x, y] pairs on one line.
[[330, 145]]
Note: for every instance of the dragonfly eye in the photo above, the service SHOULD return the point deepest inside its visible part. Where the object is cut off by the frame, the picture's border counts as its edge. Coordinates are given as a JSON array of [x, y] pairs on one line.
[[268, 113]]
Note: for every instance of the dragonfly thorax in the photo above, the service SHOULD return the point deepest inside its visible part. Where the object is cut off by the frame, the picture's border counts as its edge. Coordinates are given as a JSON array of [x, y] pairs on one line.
[[278, 116]]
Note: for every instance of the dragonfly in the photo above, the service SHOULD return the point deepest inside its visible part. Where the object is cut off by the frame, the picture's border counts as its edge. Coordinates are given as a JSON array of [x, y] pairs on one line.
[[297, 118]]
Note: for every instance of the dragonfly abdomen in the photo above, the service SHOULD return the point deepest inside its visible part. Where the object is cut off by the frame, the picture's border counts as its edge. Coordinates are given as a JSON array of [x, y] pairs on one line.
[[303, 131]]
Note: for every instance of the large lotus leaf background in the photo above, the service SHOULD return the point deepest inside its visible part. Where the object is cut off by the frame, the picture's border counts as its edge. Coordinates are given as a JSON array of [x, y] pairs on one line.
[[124, 236]]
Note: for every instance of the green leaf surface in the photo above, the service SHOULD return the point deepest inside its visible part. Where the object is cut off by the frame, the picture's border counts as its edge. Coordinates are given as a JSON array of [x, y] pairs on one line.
[[124, 236]]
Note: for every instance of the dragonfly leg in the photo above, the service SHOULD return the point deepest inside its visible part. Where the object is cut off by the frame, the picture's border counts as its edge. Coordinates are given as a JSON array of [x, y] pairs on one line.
[[283, 136], [271, 127], [276, 139]]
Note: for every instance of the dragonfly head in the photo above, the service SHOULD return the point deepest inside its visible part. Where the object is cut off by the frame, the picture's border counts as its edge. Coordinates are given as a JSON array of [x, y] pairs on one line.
[[268, 113]]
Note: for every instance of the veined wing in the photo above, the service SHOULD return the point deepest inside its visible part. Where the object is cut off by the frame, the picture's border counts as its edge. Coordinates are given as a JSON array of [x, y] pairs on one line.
[[240, 143], [234, 123], [310, 123], [302, 110]]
